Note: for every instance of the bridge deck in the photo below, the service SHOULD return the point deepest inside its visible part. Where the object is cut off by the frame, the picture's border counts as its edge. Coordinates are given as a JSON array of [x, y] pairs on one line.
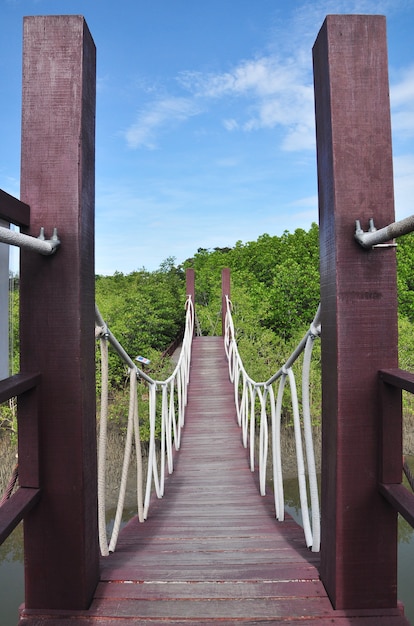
[[212, 550]]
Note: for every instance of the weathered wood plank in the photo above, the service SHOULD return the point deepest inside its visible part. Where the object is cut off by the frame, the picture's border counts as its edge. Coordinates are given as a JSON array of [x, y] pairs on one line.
[[17, 384], [14, 509], [401, 499], [359, 306], [57, 298], [13, 210], [211, 550], [228, 589]]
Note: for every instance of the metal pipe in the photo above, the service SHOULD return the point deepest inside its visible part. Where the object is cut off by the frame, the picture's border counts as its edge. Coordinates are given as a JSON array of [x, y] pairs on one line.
[[104, 330], [314, 331], [40, 244], [376, 237]]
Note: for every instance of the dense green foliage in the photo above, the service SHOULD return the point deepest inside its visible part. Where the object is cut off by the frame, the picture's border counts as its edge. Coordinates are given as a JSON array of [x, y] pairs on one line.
[[144, 310], [274, 292], [275, 283]]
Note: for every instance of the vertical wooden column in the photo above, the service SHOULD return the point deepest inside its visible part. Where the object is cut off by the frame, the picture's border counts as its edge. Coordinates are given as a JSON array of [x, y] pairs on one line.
[[190, 283], [4, 307], [190, 288], [359, 307], [225, 291], [57, 308]]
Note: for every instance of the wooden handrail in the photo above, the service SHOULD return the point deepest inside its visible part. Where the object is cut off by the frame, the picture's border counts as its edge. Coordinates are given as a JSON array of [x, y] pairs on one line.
[[14, 210], [15, 508], [401, 499], [27, 495], [398, 378], [17, 384], [390, 479]]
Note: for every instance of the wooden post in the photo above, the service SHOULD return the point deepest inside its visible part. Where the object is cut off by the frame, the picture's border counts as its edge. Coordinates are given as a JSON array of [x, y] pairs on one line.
[[190, 283], [4, 307], [225, 291], [359, 307], [57, 309]]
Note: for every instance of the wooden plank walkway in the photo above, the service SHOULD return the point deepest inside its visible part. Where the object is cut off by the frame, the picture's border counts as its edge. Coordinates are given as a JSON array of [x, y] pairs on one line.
[[212, 550]]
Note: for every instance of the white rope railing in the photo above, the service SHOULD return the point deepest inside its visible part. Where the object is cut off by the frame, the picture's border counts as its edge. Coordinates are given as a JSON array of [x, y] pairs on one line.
[[173, 402], [248, 394]]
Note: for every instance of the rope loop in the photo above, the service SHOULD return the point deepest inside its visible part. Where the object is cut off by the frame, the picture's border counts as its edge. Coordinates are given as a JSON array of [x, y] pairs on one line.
[[246, 394], [169, 414]]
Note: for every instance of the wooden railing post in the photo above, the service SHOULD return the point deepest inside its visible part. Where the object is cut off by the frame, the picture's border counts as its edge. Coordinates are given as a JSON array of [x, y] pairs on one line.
[[190, 286], [359, 307], [57, 309], [225, 291], [190, 283]]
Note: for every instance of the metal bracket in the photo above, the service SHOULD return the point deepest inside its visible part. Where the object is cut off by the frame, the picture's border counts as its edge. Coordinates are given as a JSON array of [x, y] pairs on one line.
[[54, 242], [374, 238], [36, 244]]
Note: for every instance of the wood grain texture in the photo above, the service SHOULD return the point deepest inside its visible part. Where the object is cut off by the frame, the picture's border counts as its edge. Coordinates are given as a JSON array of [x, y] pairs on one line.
[[212, 550], [57, 298], [359, 307]]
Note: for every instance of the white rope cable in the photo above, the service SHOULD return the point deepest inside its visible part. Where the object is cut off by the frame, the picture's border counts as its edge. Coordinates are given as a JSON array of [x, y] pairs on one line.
[[299, 458], [138, 453], [276, 415], [173, 404], [263, 442], [245, 395], [127, 459], [310, 452], [102, 444]]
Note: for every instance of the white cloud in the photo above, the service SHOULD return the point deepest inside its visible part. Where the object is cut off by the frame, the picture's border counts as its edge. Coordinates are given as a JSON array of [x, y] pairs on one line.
[[157, 115], [402, 104], [270, 92], [404, 185], [231, 124], [273, 90]]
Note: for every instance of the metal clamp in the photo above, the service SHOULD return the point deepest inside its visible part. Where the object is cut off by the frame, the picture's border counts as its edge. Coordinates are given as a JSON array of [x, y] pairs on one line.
[[36, 244], [374, 238]]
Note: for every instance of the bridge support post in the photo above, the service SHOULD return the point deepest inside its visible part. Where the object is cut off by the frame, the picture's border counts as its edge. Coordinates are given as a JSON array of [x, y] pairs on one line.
[[190, 286], [190, 282], [225, 291], [359, 307], [57, 310]]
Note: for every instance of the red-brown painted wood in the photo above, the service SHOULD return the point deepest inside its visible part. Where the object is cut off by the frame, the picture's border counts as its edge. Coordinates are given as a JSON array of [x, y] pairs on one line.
[[359, 307], [13, 210], [190, 283], [390, 451], [401, 499], [17, 384], [15, 508], [211, 550], [225, 291], [57, 309]]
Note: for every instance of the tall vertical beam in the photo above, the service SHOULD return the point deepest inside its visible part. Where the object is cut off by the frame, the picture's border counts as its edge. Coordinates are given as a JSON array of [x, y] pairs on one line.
[[225, 291], [190, 282], [4, 307], [190, 288], [359, 306], [57, 308]]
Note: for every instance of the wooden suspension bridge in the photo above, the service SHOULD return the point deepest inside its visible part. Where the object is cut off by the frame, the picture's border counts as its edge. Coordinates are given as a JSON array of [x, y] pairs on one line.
[[211, 549]]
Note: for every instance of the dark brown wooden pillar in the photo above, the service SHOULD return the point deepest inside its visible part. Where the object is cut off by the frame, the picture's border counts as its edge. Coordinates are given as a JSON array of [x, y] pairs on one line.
[[359, 307], [190, 283], [57, 308], [190, 287], [225, 291]]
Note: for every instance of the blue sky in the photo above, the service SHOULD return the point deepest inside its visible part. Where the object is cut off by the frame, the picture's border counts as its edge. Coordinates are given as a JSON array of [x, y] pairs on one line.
[[205, 120]]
